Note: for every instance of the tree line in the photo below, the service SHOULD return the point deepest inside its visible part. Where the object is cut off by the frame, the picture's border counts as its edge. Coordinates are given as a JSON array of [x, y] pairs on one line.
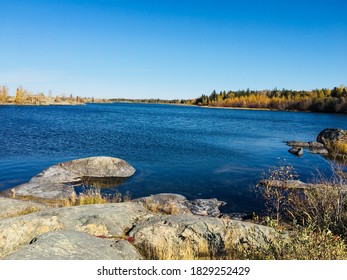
[[317, 100], [25, 97]]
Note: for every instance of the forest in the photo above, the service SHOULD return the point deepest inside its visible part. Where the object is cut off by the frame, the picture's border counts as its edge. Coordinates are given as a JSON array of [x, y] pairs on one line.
[[317, 100]]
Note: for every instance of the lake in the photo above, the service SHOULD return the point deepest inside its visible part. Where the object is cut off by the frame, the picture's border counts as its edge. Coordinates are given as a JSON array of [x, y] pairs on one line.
[[193, 151]]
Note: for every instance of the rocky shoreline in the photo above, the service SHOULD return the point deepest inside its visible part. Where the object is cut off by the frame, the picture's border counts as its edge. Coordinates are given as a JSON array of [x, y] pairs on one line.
[[120, 230], [159, 226]]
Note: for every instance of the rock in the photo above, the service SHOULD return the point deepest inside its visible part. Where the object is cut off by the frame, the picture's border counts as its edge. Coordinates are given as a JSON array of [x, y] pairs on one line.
[[58, 181], [73, 245], [99, 167], [321, 151], [298, 144], [188, 237], [114, 219], [290, 184], [206, 207], [237, 216], [169, 203], [297, 184], [12, 207], [296, 151], [91, 231], [315, 145], [331, 135]]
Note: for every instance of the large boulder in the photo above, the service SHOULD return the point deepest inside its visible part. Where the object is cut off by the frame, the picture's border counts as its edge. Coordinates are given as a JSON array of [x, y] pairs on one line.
[[73, 245], [332, 135], [58, 181]]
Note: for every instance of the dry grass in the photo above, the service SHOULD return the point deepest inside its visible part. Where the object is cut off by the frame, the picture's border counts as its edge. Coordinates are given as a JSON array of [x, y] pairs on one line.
[[301, 243], [168, 209], [94, 196], [28, 210], [88, 196], [315, 219], [187, 249], [340, 147]]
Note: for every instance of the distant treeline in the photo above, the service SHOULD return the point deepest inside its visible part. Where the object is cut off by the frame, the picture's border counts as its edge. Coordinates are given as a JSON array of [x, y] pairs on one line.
[[153, 101], [318, 100], [25, 97]]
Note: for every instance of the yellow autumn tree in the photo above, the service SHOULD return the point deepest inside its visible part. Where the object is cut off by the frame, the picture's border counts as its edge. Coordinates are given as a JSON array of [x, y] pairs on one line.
[[20, 96], [3, 94]]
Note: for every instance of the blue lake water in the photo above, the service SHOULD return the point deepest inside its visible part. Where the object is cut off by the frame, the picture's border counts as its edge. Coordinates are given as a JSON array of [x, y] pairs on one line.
[[196, 152]]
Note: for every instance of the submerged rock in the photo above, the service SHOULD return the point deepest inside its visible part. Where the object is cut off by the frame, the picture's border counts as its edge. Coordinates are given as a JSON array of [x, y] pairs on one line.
[[58, 181]]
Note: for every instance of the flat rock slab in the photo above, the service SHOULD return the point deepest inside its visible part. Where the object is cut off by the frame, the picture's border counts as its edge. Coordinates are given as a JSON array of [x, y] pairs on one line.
[[107, 220], [58, 181], [73, 245], [12, 207]]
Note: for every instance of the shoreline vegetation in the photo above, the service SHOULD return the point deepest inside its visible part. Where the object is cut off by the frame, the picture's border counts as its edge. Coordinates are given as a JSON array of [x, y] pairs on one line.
[[26, 97], [318, 100]]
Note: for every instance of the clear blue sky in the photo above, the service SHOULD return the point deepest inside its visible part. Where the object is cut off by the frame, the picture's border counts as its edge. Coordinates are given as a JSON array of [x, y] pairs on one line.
[[171, 48]]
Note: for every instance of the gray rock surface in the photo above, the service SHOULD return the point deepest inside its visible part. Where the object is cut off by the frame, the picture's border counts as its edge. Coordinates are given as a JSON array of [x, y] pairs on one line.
[[13, 207], [99, 219], [296, 151], [324, 137], [315, 145], [298, 144], [291, 184], [321, 151], [331, 135], [206, 207], [179, 236], [91, 231], [73, 245], [169, 203], [58, 181]]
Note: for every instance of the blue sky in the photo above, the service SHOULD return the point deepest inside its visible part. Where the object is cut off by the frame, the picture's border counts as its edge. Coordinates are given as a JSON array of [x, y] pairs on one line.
[[171, 49]]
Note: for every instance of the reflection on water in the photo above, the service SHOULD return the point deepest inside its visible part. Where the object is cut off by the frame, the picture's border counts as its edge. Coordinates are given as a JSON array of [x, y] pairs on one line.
[[102, 182]]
